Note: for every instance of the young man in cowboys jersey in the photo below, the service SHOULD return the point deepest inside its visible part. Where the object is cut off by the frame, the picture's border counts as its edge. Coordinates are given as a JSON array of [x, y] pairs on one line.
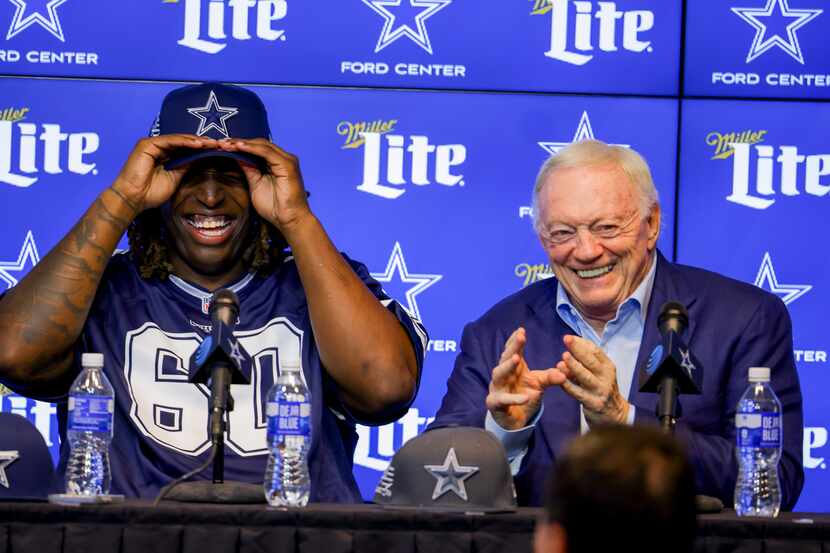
[[209, 202]]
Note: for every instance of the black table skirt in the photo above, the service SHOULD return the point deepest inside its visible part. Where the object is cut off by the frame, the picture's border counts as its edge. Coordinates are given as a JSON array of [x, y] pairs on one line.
[[136, 527]]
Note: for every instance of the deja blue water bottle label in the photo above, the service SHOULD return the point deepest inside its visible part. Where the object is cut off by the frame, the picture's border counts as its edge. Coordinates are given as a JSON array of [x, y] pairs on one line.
[[289, 418], [758, 429], [90, 413]]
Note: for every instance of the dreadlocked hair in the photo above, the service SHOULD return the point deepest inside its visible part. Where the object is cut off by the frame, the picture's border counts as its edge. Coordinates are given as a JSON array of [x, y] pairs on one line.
[[150, 250]]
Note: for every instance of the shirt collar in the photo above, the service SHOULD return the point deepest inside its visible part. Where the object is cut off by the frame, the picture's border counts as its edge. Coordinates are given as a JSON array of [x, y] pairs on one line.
[[639, 299]]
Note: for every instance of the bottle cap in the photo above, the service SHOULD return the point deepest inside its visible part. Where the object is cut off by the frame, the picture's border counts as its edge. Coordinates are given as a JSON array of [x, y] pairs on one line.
[[291, 365], [759, 374], [92, 360]]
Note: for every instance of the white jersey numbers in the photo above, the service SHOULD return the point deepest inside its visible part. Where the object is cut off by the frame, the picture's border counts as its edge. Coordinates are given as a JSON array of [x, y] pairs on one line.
[[173, 412]]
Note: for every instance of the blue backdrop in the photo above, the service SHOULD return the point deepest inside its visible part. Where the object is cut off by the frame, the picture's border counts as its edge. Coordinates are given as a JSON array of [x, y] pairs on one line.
[[494, 88]]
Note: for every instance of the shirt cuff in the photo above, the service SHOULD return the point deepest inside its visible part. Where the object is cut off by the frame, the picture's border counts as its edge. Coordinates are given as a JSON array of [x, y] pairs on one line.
[[632, 411], [514, 441]]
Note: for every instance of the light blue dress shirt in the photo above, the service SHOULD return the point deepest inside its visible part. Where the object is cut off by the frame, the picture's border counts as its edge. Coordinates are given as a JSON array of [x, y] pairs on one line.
[[620, 340]]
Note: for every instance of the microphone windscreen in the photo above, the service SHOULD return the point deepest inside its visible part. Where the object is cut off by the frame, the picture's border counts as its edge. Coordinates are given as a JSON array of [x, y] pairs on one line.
[[224, 306], [673, 316]]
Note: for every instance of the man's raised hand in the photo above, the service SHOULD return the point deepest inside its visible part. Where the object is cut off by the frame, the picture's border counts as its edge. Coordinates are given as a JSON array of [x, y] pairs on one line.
[[516, 390]]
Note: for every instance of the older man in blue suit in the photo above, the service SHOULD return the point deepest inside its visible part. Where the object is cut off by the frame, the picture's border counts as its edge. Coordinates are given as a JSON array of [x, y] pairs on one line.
[[561, 355]]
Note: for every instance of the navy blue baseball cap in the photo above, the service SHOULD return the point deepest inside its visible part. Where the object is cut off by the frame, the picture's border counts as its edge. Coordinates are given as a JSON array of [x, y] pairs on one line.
[[25, 464], [214, 110]]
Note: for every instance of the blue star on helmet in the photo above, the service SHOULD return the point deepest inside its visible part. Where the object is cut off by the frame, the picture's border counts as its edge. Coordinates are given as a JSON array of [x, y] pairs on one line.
[[213, 116], [450, 476]]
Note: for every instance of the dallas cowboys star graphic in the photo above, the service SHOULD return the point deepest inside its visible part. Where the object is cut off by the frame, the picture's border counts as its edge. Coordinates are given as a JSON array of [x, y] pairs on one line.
[[22, 21], [450, 476], [27, 253], [236, 355], [767, 280], [6, 459], [421, 281], [686, 361], [583, 132], [393, 29], [213, 116], [765, 40]]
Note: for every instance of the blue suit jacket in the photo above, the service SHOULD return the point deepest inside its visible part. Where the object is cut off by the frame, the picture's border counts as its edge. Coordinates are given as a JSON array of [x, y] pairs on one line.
[[732, 326]]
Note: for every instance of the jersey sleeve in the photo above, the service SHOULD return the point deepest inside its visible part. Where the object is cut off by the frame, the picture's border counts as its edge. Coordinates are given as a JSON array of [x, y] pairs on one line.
[[414, 329]]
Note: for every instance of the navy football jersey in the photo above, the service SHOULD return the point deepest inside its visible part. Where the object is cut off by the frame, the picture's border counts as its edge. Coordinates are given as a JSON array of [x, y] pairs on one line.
[[148, 330]]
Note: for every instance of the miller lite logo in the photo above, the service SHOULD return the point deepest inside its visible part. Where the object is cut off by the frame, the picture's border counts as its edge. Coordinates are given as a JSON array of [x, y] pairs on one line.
[[377, 444], [530, 273], [392, 161], [815, 437], [762, 173], [578, 28], [722, 142], [209, 23], [28, 148]]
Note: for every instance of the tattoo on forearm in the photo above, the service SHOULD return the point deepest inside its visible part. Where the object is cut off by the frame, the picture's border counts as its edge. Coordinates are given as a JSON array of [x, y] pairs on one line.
[[47, 310]]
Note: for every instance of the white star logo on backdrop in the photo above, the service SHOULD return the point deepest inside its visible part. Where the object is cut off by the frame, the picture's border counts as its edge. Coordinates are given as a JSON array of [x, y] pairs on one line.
[[686, 361], [390, 32], [583, 132], [767, 280], [761, 43], [450, 476], [27, 252], [6, 459], [50, 22], [422, 281], [215, 118]]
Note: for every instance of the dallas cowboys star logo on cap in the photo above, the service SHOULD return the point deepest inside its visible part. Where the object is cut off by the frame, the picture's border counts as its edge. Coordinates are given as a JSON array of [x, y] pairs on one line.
[[213, 116], [450, 476], [6, 459]]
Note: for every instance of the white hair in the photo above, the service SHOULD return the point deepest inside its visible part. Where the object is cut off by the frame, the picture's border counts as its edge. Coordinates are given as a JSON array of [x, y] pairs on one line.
[[589, 153]]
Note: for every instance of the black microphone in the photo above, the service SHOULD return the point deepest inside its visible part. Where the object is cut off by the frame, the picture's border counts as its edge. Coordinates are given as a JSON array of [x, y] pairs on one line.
[[220, 361], [224, 310], [671, 368], [673, 318]]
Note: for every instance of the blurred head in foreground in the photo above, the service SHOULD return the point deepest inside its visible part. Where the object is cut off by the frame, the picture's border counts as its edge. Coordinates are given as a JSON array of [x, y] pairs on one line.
[[619, 487]]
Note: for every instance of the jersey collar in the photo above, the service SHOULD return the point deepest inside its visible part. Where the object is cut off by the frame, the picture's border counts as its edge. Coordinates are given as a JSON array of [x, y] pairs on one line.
[[203, 295]]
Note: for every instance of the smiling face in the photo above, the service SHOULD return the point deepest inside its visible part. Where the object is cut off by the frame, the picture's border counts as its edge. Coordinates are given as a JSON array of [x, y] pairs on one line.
[[207, 220], [600, 245]]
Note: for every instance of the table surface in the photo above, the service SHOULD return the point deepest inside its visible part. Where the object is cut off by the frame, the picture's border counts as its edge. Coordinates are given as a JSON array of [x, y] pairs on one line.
[[325, 528]]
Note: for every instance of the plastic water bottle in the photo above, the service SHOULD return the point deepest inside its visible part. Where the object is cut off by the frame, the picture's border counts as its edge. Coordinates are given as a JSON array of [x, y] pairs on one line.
[[89, 429], [759, 436], [287, 483]]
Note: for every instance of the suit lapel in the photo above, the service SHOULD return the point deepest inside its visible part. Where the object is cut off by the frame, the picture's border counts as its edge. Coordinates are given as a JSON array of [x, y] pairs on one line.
[[669, 285]]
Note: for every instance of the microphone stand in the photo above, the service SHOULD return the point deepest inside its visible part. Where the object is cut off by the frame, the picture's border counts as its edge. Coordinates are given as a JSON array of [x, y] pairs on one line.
[[221, 402], [218, 362]]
